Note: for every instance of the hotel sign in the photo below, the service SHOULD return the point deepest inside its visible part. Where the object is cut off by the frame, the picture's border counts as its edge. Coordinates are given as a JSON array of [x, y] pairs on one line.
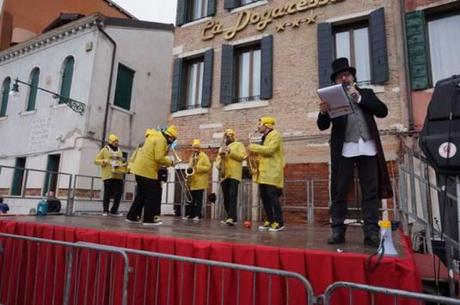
[[262, 20]]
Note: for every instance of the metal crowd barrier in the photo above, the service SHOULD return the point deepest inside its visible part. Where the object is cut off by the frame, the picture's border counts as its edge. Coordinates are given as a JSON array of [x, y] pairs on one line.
[[42, 271], [393, 296]]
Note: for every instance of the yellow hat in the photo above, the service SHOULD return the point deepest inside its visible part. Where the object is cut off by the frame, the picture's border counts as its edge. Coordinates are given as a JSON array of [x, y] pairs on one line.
[[196, 143], [230, 132], [171, 131], [267, 121], [112, 138], [149, 132]]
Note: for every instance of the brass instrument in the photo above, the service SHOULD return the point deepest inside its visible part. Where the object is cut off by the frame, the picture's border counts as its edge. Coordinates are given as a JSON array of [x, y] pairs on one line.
[[253, 160], [190, 171], [221, 165], [182, 178]]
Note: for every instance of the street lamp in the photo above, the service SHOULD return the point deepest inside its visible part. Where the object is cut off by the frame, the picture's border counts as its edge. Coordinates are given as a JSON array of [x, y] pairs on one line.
[[76, 106]]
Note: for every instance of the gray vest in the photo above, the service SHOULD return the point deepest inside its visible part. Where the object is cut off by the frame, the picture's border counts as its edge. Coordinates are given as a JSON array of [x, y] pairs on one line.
[[356, 125]]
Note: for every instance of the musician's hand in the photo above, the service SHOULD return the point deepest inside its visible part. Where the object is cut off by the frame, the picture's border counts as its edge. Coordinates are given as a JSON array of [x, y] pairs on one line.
[[354, 93], [104, 163], [324, 107], [224, 151]]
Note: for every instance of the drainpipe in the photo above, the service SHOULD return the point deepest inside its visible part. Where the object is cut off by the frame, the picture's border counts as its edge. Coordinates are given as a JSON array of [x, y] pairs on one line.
[[407, 79], [109, 91]]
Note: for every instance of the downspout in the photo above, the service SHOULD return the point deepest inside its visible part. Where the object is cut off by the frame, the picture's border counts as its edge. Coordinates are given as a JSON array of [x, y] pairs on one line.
[[109, 91], [407, 79]]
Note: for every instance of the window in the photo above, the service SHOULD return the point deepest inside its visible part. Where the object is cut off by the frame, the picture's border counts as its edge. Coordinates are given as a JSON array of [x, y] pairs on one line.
[[194, 70], [18, 177], [248, 75], [192, 82], [5, 94], [231, 4], [33, 81], [66, 79], [444, 46], [353, 43], [197, 9], [190, 10], [244, 2], [124, 87]]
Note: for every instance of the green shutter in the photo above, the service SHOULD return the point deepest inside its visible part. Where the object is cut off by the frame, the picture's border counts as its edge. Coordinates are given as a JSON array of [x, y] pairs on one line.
[[5, 94], [34, 77], [177, 86], [66, 81], [207, 78], [124, 87], [231, 4], [181, 12], [227, 75], [18, 177], [211, 9], [416, 49], [266, 79], [325, 53], [378, 42]]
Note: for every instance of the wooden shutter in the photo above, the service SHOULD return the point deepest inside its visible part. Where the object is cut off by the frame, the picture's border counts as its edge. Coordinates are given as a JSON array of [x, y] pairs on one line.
[[378, 44], [176, 91], [5, 95], [124, 87], [231, 4], [207, 78], [34, 78], [266, 79], [325, 53], [211, 7], [416, 49], [181, 12], [66, 81], [227, 75]]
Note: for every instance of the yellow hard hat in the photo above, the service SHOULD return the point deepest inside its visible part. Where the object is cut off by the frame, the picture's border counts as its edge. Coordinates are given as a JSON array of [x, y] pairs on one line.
[[171, 131], [196, 143], [267, 121], [230, 132], [112, 138]]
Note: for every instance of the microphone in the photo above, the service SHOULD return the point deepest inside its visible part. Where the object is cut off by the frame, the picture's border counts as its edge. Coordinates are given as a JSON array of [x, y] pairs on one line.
[[347, 86]]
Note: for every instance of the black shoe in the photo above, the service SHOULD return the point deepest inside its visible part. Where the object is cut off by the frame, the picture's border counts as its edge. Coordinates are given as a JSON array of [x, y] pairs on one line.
[[372, 239], [336, 238]]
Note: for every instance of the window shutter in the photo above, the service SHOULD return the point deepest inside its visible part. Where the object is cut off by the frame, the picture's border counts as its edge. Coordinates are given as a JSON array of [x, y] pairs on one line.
[[5, 95], [176, 98], [34, 77], [181, 12], [325, 53], [378, 44], [66, 81], [227, 75], [211, 7], [416, 49], [124, 87], [266, 86], [207, 78], [231, 4]]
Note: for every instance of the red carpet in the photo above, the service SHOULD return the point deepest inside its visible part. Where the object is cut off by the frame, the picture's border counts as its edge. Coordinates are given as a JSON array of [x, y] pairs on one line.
[[321, 268]]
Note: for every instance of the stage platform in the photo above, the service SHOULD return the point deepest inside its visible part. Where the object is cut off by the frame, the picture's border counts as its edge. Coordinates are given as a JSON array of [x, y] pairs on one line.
[[299, 248]]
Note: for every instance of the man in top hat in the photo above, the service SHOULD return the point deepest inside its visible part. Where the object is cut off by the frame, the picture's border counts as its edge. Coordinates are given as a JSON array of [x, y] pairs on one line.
[[270, 176], [198, 181], [355, 141], [110, 159], [145, 165], [230, 164]]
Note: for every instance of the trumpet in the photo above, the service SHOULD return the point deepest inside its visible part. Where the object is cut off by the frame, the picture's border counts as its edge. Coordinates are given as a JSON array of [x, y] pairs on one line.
[[182, 178], [253, 160]]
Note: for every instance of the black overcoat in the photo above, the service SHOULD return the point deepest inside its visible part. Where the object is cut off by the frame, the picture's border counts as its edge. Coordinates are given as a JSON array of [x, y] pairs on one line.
[[371, 106]]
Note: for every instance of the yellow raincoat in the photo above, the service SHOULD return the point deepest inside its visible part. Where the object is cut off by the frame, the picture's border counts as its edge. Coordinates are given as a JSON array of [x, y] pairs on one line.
[[271, 159], [200, 179], [104, 159], [148, 158], [233, 161]]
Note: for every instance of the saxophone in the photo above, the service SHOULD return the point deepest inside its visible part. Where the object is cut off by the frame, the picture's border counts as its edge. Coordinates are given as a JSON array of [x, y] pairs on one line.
[[221, 165], [190, 171], [253, 160]]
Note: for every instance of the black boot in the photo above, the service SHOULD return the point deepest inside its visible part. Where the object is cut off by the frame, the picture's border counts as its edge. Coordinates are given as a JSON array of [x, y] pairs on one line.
[[337, 236]]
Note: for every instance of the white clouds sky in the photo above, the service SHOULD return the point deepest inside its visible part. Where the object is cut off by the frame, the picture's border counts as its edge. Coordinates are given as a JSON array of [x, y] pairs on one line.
[[151, 10]]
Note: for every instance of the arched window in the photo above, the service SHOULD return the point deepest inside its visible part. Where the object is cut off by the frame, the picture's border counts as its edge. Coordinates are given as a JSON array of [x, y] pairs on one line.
[[33, 81], [5, 94], [66, 81]]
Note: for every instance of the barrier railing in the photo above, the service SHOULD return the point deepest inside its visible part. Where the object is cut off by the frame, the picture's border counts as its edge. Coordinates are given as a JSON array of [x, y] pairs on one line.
[[365, 294], [42, 271]]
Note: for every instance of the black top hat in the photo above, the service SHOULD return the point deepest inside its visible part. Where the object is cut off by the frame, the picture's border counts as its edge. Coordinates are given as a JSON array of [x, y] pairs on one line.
[[340, 65]]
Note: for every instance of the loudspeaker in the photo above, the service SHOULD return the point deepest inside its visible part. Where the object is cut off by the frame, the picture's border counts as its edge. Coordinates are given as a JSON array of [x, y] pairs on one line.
[[440, 136]]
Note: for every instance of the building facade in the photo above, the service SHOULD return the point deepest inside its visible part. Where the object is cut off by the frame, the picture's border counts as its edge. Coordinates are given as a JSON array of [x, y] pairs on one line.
[[237, 60], [118, 68]]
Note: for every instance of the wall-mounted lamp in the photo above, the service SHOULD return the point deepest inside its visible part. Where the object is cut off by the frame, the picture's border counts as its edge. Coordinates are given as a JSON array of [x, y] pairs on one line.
[[76, 106]]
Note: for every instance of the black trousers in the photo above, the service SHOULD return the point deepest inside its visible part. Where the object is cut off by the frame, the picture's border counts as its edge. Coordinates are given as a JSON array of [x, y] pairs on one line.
[[112, 188], [270, 199], [148, 198], [194, 208], [368, 180], [230, 192]]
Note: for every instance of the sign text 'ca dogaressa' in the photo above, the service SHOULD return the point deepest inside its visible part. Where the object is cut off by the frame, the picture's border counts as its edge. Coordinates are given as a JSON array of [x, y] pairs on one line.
[[260, 20]]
